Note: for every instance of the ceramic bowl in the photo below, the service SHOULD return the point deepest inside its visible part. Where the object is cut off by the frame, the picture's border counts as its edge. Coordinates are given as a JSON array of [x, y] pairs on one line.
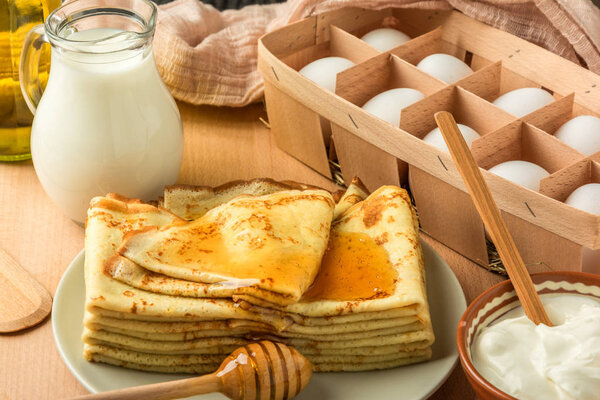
[[498, 300]]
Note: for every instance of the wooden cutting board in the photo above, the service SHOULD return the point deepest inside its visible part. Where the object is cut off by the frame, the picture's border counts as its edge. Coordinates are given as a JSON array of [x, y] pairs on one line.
[[23, 301]]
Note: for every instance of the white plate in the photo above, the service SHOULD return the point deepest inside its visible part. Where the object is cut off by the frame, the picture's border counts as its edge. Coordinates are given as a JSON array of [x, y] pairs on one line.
[[447, 304]]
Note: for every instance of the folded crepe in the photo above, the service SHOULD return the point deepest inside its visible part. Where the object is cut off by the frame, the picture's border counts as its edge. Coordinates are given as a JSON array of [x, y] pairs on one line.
[[109, 219], [382, 233], [267, 247], [191, 202], [375, 261]]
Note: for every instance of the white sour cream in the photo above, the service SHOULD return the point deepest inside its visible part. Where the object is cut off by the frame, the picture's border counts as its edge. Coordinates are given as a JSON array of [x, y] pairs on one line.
[[540, 362]]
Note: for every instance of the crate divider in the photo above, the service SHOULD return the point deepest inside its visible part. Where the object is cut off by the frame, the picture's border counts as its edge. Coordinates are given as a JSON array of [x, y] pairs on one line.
[[521, 141], [359, 84], [297, 129], [446, 212]]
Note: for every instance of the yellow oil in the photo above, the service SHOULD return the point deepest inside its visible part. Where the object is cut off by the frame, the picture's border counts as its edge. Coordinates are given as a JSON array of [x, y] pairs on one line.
[[17, 17]]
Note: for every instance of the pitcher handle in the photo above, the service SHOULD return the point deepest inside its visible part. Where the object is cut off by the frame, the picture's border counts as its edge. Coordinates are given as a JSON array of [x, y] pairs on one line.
[[29, 66]]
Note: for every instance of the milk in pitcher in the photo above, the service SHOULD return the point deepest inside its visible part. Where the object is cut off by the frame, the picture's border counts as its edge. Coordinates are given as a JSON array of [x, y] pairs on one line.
[[105, 123]]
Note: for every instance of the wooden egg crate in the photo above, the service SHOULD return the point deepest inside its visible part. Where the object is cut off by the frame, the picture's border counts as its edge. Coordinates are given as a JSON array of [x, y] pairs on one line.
[[315, 125]]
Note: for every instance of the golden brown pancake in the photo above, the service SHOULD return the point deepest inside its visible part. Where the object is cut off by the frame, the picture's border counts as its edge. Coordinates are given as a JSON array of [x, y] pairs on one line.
[[191, 202], [201, 364], [274, 243]]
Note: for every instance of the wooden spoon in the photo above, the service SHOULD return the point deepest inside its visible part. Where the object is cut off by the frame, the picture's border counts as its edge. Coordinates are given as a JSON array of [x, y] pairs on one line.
[[23, 301], [484, 202], [258, 371]]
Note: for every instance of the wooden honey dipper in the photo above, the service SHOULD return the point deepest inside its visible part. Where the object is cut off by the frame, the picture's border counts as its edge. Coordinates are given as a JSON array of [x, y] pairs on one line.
[[258, 371]]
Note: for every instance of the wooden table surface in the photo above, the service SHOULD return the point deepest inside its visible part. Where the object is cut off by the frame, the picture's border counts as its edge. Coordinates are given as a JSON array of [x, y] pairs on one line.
[[221, 144]]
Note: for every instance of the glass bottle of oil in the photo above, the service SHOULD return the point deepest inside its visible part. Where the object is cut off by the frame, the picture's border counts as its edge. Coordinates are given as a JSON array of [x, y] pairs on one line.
[[17, 17]]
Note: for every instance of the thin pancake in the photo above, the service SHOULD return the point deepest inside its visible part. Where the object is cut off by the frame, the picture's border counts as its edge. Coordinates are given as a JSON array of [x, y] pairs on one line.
[[186, 364], [381, 350], [109, 218], [274, 243], [386, 217], [250, 333], [410, 341], [124, 270], [185, 327], [191, 202], [224, 310], [166, 359]]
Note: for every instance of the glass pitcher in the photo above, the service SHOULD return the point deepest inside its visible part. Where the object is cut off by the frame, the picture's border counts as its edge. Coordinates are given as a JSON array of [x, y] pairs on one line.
[[105, 122], [17, 17]]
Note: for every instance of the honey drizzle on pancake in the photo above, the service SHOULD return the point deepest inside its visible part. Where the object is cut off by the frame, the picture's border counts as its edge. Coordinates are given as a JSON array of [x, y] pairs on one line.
[[269, 247], [354, 267], [204, 251]]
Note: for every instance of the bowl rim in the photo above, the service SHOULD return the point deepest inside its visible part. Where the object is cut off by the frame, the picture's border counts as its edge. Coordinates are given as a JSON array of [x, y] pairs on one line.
[[461, 333]]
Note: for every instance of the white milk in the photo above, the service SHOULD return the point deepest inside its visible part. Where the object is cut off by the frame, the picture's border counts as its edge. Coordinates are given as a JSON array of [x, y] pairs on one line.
[[106, 123]]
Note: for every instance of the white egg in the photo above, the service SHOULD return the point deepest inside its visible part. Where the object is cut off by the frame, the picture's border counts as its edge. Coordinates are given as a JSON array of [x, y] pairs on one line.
[[385, 39], [387, 105], [324, 71], [586, 198], [522, 173], [581, 133], [436, 139], [445, 67], [520, 102]]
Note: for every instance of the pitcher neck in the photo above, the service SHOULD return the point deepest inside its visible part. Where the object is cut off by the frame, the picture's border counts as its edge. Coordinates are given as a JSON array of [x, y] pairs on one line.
[[102, 63], [102, 29]]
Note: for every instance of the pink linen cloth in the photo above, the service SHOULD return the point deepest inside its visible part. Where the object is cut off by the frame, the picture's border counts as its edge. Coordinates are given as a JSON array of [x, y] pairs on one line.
[[210, 57]]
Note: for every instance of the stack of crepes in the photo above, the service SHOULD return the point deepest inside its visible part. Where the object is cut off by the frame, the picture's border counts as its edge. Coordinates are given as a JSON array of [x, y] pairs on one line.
[[176, 288]]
